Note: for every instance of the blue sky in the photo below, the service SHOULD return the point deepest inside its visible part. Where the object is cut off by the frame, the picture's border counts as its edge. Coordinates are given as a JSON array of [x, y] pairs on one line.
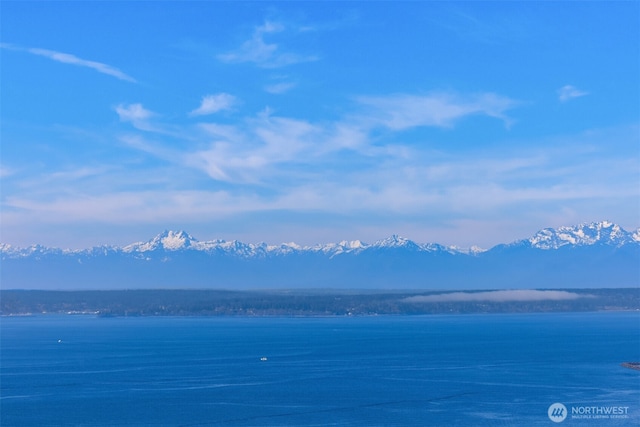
[[470, 123]]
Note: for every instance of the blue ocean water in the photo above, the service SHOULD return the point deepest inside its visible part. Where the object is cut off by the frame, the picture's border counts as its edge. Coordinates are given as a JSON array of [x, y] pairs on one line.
[[466, 370]]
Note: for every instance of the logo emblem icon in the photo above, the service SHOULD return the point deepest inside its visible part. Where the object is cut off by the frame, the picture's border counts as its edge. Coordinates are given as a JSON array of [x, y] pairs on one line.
[[557, 412]]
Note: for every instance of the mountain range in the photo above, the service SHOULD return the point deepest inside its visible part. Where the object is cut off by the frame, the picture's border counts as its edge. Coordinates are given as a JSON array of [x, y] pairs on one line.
[[599, 254]]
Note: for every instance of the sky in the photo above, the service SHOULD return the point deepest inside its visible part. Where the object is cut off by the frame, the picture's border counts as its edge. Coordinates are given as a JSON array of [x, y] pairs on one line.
[[459, 123]]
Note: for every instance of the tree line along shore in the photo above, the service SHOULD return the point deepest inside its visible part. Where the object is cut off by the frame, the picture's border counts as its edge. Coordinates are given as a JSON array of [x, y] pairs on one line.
[[327, 302]]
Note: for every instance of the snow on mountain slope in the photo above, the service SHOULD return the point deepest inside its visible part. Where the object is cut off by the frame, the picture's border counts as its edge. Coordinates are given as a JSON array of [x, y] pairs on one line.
[[605, 256], [603, 233], [595, 233], [167, 240]]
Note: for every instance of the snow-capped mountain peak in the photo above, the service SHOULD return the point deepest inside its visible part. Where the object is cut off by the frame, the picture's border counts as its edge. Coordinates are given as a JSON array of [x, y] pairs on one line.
[[395, 241], [353, 244], [175, 259], [473, 250], [176, 240], [603, 232], [167, 240]]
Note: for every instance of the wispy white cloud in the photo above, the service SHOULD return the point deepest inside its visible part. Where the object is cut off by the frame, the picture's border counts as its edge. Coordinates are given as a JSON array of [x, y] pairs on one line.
[[391, 176], [77, 174], [250, 150], [279, 88], [6, 172], [67, 58], [498, 296], [267, 162], [213, 103], [135, 114], [568, 92], [288, 172], [154, 148], [262, 53], [125, 207], [256, 49], [224, 132], [248, 154], [148, 121], [398, 112]]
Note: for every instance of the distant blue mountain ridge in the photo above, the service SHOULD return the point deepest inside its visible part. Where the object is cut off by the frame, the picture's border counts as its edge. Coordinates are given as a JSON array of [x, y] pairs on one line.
[[598, 254]]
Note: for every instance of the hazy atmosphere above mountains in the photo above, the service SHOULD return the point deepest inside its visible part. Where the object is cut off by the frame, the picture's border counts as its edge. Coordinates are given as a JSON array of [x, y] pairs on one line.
[[461, 123]]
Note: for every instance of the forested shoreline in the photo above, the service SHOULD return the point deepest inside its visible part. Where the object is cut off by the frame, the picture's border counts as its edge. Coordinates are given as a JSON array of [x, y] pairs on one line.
[[327, 302]]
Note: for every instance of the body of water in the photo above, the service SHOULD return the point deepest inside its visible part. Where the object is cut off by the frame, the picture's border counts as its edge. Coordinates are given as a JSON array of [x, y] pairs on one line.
[[497, 370]]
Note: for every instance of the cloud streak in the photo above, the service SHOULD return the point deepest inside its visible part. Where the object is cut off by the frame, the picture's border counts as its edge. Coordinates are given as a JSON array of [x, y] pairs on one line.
[[214, 103], [5, 172], [568, 92], [257, 165], [360, 172], [249, 150], [137, 115], [524, 295], [262, 53], [67, 58], [279, 88], [399, 112]]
